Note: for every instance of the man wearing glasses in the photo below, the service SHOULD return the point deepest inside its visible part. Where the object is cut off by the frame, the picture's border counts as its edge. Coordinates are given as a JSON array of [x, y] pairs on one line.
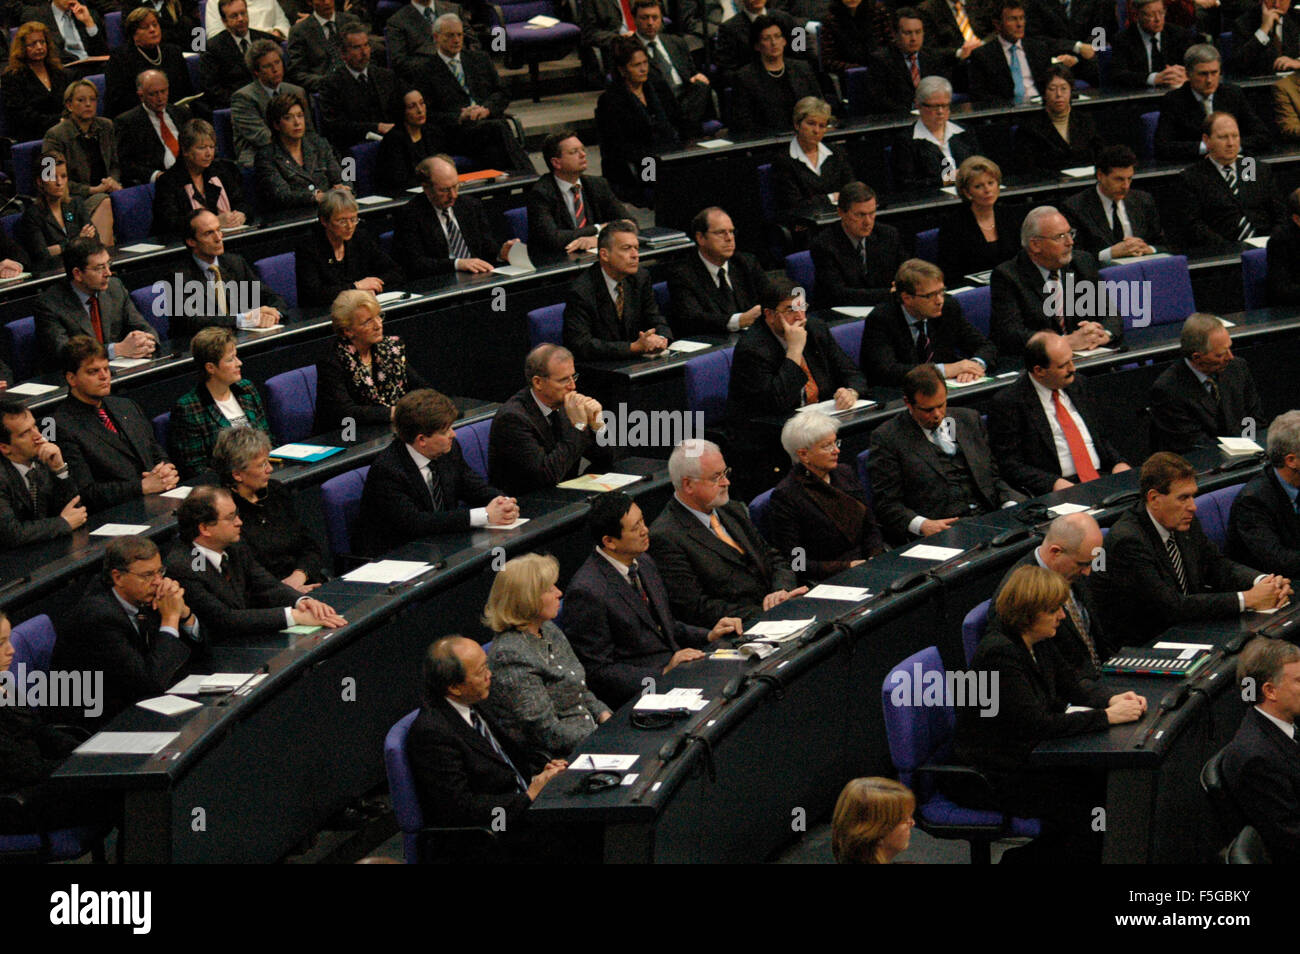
[[716, 291], [132, 624], [439, 232], [1043, 289], [543, 434]]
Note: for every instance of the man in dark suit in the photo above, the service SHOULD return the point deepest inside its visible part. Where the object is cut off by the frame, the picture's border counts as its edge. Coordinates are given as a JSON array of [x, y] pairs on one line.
[[438, 233], [734, 48], [222, 65], [541, 436], [468, 101], [947, 35], [1149, 53], [233, 595], [409, 32], [894, 72], [76, 30], [931, 466], [1115, 220], [1045, 431], [133, 624], [233, 294], [417, 484], [107, 441], [1265, 39], [601, 21], [610, 313], [718, 290], [1011, 66], [1183, 110], [919, 324], [148, 135], [1284, 256], [1206, 395], [466, 772], [1162, 570], [360, 98], [1070, 29], [1264, 527], [91, 302], [671, 66], [1224, 198], [856, 262], [38, 497], [1044, 288], [566, 208], [617, 608], [316, 44], [1261, 765], [713, 560]]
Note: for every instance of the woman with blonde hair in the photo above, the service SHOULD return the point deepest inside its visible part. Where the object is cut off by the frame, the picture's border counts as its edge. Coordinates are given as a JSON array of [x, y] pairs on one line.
[[88, 142], [872, 822], [984, 233], [539, 695], [810, 174]]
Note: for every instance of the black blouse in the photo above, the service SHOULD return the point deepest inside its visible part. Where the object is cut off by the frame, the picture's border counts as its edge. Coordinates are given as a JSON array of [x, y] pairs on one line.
[[963, 249], [277, 536], [38, 230], [321, 277], [31, 109]]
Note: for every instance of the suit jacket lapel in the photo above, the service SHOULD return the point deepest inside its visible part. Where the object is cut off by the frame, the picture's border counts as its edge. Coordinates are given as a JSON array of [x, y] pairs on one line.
[[413, 475], [19, 494], [626, 592], [467, 733], [704, 535], [922, 449]]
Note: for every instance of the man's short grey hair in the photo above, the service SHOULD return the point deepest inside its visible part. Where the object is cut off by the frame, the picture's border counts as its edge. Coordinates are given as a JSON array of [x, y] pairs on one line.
[[1199, 53], [1283, 438], [1196, 332], [259, 49], [929, 86], [684, 461], [447, 18], [336, 200], [806, 429], [538, 362], [1030, 228], [1068, 531]]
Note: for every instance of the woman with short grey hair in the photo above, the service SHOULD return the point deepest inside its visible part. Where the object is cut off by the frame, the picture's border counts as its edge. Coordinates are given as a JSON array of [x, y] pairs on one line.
[[930, 155], [339, 254]]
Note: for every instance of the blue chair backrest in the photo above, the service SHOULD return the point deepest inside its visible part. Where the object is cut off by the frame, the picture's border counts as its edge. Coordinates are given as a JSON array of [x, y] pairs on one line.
[[386, 241], [192, 64], [707, 378], [864, 475], [517, 219], [340, 502], [1254, 277], [973, 627], [799, 269], [366, 157], [1147, 144], [848, 335], [1213, 510], [144, 299], [162, 425], [25, 155], [977, 307], [546, 325], [1163, 284], [473, 440], [918, 734], [225, 130], [927, 245], [113, 28], [101, 85], [766, 196], [291, 403], [857, 91], [280, 272], [10, 224], [401, 785], [33, 642], [662, 301], [132, 212], [758, 508], [22, 346]]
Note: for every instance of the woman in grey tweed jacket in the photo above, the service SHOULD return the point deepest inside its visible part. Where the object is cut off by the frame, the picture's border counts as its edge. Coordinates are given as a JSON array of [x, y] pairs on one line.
[[539, 695]]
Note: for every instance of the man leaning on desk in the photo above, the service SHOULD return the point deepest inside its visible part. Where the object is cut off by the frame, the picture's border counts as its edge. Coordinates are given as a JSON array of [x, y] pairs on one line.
[[1162, 570]]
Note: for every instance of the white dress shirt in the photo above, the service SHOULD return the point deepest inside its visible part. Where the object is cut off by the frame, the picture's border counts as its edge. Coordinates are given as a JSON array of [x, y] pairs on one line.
[[477, 515], [1063, 456], [1025, 73], [1110, 208], [733, 323]]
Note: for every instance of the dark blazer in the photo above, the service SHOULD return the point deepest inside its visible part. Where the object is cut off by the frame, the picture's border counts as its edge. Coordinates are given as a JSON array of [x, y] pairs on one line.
[[848, 37], [889, 351], [1018, 297], [698, 304], [38, 229], [446, 97], [919, 164], [338, 397], [350, 109], [399, 155], [96, 45], [280, 541], [30, 108], [1038, 141], [764, 381], [842, 278], [592, 329], [1184, 416], [1261, 771], [321, 278], [21, 521], [818, 519], [1284, 265], [176, 27], [171, 197], [60, 315], [396, 505], [1178, 133], [99, 636], [551, 227], [524, 453], [963, 250], [889, 78], [105, 466], [63, 138], [241, 600], [139, 148], [126, 63], [1046, 19], [761, 104], [600, 22], [795, 186], [1021, 435], [1264, 529], [1249, 57], [733, 49], [286, 185], [1205, 213], [1130, 65], [222, 69], [706, 578], [907, 473], [421, 244], [941, 32], [410, 37], [185, 322], [631, 131], [311, 54], [197, 422], [1085, 212], [620, 638], [990, 76], [1138, 592]]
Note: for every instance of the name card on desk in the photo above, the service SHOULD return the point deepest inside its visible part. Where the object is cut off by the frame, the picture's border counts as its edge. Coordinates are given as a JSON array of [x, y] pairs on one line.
[[827, 591], [169, 705], [120, 530], [954, 383], [514, 525], [305, 453], [1065, 509], [776, 630], [1092, 352], [386, 571], [31, 389], [126, 743], [1258, 241], [853, 311], [1239, 446], [924, 551], [1080, 172], [521, 263], [218, 683], [828, 407], [262, 330], [178, 493], [125, 364], [373, 200]]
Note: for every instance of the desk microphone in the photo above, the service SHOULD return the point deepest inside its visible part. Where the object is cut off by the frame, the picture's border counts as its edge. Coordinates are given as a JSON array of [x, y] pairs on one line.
[[1172, 701], [225, 700], [1120, 497]]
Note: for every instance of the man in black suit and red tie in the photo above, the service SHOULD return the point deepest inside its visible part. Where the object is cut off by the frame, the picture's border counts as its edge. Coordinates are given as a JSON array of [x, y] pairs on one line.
[[566, 208], [439, 232], [855, 262], [617, 608], [718, 290], [1264, 528], [38, 497], [896, 71], [148, 135]]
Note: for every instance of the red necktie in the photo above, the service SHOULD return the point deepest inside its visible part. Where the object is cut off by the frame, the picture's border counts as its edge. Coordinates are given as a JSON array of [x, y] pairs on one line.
[[169, 140], [916, 70], [96, 324], [627, 15], [1074, 440], [579, 210], [106, 420]]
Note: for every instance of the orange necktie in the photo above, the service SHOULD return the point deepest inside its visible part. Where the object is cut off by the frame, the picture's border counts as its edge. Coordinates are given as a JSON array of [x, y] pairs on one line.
[[722, 534], [168, 138], [810, 391], [1074, 440], [96, 322]]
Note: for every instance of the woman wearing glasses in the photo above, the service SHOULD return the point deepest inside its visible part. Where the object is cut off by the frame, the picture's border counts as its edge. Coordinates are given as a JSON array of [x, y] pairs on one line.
[[928, 157], [339, 254], [819, 506]]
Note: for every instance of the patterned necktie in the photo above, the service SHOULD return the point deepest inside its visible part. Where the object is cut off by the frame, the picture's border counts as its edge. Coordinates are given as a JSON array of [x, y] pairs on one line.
[[619, 300], [1208, 105], [963, 22], [720, 532], [579, 210], [1212, 388], [243, 46], [482, 729], [1116, 226], [1055, 278], [218, 289], [914, 69], [1083, 468], [96, 321], [635, 579], [1176, 559], [428, 16], [556, 420], [1080, 621], [810, 390], [1017, 77], [924, 349], [32, 491], [435, 486], [1244, 229], [105, 419], [168, 137], [455, 241], [862, 251]]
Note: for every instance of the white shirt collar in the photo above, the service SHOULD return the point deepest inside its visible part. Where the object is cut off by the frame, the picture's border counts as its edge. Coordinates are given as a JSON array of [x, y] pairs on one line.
[[212, 556], [1044, 394], [461, 708], [610, 283], [616, 564], [1201, 376], [798, 155], [1160, 528], [127, 607], [1106, 201], [448, 59], [1287, 727], [357, 74], [920, 131], [322, 21], [546, 411], [713, 269], [421, 461]]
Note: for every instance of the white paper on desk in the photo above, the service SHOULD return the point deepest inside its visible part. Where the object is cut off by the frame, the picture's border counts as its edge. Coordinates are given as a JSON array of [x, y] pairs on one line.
[[587, 762], [373, 199], [518, 522], [31, 389], [1265, 612], [1239, 445], [658, 703], [925, 551], [1080, 172], [954, 383], [520, 262], [177, 493], [385, 297], [263, 330], [20, 277], [119, 529], [386, 571], [950, 190], [1258, 241], [298, 451], [958, 290], [713, 143], [981, 278], [779, 628], [686, 346], [1228, 324], [169, 705], [140, 247], [1128, 259], [614, 481], [1094, 351], [125, 364], [853, 311], [828, 407], [126, 743], [229, 681], [828, 591], [1063, 509], [415, 189], [1187, 650], [543, 22]]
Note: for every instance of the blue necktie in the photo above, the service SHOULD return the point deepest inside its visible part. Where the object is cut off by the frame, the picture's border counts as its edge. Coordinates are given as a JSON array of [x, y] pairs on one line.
[[1017, 78], [482, 729]]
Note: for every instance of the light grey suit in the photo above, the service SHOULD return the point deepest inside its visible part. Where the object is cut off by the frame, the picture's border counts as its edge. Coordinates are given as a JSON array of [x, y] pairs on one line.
[[248, 117]]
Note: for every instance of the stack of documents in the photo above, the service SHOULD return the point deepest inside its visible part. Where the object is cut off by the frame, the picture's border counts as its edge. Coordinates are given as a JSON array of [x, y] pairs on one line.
[[387, 571]]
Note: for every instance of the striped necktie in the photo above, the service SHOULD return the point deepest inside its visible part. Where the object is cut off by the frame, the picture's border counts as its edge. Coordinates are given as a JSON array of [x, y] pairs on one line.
[[1176, 559], [482, 729], [455, 240], [1244, 229]]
